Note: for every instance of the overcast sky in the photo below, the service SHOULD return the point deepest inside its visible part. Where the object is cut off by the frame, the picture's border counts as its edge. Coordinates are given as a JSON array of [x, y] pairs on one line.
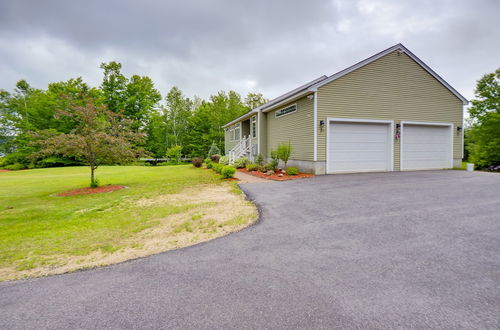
[[264, 46]]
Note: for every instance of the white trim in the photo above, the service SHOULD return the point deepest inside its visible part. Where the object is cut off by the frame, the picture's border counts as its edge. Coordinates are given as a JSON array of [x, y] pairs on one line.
[[422, 123], [315, 123], [375, 57], [390, 141], [253, 121], [288, 113], [240, 118], [289, 100], [258, 131]]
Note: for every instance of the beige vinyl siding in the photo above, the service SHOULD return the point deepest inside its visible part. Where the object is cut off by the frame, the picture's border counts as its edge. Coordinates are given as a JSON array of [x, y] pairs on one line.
[[393, 87], [229, 144], [296, 128]]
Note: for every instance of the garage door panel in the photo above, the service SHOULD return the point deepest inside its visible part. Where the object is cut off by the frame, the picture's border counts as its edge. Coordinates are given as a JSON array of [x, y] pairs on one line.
[[426, 147], [358, 147]]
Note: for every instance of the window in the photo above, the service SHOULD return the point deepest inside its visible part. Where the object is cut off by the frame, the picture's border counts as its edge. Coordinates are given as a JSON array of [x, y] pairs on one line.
[[254, 126], [237, 132], [285, 111]]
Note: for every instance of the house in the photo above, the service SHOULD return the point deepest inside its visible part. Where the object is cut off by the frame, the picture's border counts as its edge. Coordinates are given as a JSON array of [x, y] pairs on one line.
[[389, 112]]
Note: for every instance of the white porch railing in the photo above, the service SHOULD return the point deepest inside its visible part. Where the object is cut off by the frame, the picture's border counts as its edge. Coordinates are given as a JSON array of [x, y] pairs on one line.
[[241, 149]]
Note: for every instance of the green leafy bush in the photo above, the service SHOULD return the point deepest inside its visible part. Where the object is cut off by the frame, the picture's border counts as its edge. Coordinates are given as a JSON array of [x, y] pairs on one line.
[[224, 160], [260, 160], [240, 162], [196, 162], [218, 168], [228, 172], [275, 160], [269, 166], [252, 167], [209, 164], [174, 154], [292, 171], [284, 151], [15, 167]]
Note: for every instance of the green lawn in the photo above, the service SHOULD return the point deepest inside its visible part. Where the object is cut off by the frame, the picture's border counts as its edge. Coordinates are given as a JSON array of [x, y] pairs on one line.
[[36, 225]]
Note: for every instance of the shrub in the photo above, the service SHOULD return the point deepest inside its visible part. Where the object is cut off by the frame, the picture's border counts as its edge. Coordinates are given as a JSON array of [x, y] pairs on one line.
[[209, 164], [268, 167], [218, 167], [215, 158], [284, 152], [174, 154], [214, 150], [240, 162], [224, 160], [196, 162], [260, 160], [252, 167], [15, 167], [292, 171], [228, 172]]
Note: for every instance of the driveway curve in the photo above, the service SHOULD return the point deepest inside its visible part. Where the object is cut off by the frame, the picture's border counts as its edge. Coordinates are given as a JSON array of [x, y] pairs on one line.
[[388, 250]]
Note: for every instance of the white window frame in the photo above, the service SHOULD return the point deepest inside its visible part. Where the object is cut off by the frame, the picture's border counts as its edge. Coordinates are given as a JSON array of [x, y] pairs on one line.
[[253, 127], [288, 113], [390, 123], [237, 137]]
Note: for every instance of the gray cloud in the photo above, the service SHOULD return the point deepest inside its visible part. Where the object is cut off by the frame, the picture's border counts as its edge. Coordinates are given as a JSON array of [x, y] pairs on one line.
[[267, 46]]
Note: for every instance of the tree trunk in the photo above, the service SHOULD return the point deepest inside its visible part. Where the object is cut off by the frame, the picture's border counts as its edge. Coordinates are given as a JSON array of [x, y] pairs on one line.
[[92, 179]]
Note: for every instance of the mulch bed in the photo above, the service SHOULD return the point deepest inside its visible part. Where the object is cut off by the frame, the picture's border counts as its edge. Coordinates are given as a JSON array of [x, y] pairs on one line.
[[5, 170], [86, 191], [232, 179], [275, 176]]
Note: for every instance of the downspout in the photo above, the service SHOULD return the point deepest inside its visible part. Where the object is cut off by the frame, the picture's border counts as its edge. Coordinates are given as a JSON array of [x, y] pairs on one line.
[[315, 119]]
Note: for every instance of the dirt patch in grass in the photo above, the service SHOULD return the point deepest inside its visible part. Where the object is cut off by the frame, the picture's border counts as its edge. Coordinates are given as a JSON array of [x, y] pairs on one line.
[[206, 212], [5, 170], [88, 190], [276, 176]]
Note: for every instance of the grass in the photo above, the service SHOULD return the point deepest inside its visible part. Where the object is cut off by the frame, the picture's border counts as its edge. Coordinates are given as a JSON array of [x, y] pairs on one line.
[[37, 227]]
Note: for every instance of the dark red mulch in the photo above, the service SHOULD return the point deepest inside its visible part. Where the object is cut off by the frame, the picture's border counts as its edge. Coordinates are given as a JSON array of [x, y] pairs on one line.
[[275, 176], [88, 190]]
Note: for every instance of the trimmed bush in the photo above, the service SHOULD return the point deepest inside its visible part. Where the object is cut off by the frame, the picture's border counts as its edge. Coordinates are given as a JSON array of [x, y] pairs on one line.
[[215, 158], [224, 160], [15, 167], [292, 171], [196, 162], [240, 162], [218, 168], [252, 167], [228, 172], [209, 164]]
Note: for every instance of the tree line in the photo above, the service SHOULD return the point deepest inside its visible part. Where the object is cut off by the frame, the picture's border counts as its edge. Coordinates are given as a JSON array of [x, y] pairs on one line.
[[482, 136], [192, 124]]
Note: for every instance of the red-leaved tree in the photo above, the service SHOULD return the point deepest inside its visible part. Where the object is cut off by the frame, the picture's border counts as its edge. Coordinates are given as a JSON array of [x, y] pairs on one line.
[[100, 137]]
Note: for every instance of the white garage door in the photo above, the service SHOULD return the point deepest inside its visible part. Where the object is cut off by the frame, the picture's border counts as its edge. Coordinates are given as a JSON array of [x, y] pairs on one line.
[[426, 147], [359, 147]]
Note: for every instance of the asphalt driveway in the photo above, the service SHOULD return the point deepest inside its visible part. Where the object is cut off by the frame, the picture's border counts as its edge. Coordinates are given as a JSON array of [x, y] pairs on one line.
[[392, 250]]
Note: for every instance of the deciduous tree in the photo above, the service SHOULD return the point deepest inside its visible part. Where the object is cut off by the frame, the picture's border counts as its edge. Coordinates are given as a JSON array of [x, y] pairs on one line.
[[100, 136]]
